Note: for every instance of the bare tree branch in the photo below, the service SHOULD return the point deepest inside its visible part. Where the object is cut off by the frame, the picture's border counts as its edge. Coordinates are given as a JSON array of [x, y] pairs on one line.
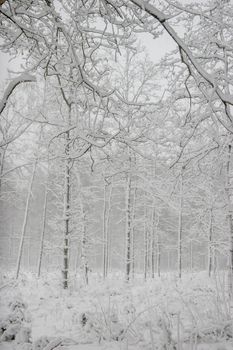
[[23, 78], [160, 16]]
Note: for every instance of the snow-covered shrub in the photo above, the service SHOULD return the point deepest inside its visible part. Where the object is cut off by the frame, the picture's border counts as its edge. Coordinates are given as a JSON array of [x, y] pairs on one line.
[[104, 326], [17, 304], [23, 336], [17, 316], [10, 333], [41, 343], [4, 324], [83, 319], [24, 346], [13, 328]]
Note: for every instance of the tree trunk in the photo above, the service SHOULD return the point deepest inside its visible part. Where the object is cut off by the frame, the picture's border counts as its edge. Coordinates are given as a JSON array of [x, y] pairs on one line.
[[158, 256], [210, 238], [128, 227], [133, 230], [109, 238], [84, 260], [153, 245], [148, 251], [3, 153], [191, 256], [133, 253], [105, 232], [25, 221], [180, 223], [145, 250], [230, 221], [42, 232], [67, 199]]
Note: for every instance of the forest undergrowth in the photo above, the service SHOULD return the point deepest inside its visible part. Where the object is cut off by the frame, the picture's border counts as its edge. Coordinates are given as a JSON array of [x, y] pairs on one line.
[[167, 313]]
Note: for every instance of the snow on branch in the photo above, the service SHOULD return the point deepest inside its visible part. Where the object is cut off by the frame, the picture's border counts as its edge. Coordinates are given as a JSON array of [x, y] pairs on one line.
[[162, 18], [23, 78]]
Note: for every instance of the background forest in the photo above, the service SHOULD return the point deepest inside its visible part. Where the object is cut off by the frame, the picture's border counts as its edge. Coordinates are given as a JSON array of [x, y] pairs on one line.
[[116, 175], [110, 161]]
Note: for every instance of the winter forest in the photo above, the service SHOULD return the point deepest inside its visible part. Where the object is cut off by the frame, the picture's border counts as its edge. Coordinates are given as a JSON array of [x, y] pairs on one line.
[[116, 175]]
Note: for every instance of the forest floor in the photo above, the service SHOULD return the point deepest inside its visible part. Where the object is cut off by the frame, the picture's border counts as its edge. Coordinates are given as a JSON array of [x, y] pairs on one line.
[[194, 313]]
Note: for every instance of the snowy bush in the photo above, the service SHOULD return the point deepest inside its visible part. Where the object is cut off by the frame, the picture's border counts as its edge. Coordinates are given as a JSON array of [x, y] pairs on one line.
[[102, 326], [23, 335], [17, 304], [13, 328], [3, 326], [41, 343], [10, 333]]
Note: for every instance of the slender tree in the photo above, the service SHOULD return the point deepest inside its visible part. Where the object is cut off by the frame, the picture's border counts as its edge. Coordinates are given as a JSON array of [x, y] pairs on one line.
[[128, 226], [25, 220], [180, 226], [42, 235]]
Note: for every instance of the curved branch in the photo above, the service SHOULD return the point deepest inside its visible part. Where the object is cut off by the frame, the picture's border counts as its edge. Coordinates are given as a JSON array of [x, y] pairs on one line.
[[159, 16], [23, 78]]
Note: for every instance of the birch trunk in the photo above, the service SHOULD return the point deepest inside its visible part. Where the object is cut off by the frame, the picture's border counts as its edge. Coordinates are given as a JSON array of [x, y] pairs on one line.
[[228, 182], [191, 256], [42, 232], [210, 237], [3, 153], [148, 251], [133, 230], [128, 227], [180, 223], [105, 232], [67, 198], [230, 221], [153, 245], [109, 238], [145, 250], [158, 255], [25, 221], [84, 260]]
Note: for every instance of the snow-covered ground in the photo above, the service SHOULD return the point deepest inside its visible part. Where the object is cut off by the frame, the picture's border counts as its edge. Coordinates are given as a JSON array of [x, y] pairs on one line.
[[166, 313]]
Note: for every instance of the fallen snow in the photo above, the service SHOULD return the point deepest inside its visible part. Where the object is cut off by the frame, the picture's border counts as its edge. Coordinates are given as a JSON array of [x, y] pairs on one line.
[[194, 313]]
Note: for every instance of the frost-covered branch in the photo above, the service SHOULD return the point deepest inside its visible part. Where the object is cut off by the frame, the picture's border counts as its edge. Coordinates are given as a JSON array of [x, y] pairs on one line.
[[163, 20], [23, 78]]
